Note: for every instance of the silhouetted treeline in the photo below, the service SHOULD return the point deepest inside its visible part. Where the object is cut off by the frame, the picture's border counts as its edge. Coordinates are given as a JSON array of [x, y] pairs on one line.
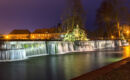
[[111, 15]]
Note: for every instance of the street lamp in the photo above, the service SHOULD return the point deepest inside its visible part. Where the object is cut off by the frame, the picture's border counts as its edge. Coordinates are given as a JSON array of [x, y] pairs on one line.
[[112, 37], [6, 37], [127, 32]]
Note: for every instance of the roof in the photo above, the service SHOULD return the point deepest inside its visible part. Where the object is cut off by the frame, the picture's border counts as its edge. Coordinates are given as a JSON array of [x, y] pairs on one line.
[[24, 31], [40, 31]]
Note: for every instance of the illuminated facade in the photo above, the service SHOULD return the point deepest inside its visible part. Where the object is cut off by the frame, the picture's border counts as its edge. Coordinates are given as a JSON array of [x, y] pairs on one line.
[[42, 36], [38, 34], [18, 34], [51, 33]]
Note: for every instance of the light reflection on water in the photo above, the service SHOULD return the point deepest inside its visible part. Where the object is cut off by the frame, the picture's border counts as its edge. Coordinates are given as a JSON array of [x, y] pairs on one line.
[[61, 67], [126, 51]]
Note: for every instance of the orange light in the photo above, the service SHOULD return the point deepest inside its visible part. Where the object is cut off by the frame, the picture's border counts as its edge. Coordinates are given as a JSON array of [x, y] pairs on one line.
[[32, 37], [127, 32], [112, 37], [126, 52], [6, 37]]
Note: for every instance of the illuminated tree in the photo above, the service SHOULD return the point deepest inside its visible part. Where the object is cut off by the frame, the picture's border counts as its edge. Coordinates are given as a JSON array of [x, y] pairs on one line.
[[73, 21], [77, 34]]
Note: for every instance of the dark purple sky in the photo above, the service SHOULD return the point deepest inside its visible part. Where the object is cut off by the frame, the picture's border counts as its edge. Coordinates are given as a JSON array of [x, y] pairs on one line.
[[33, 14]]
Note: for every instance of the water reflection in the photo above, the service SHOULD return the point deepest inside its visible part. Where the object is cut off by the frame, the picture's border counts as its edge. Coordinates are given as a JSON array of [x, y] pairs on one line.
[[126, 51], [60, 67]]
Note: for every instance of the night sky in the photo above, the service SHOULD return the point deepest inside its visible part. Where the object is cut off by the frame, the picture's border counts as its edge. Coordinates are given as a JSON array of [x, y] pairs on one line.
[[33, 14]]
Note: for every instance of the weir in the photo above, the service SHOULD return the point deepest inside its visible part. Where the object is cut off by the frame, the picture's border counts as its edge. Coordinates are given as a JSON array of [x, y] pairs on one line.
[[21, 50]]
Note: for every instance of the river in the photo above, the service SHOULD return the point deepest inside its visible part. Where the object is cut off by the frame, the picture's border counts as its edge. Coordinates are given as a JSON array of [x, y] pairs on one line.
[[61, 67]]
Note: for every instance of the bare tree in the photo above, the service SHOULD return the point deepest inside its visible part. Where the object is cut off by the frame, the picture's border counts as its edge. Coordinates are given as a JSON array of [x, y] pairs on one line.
[[73, 15], [110, 15]]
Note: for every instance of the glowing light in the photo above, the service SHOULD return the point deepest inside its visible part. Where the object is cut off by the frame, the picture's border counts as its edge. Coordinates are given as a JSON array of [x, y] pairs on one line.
[[32, 37], [112, 37], [6, 37], [127, 32], [126, 53], [75, 34]]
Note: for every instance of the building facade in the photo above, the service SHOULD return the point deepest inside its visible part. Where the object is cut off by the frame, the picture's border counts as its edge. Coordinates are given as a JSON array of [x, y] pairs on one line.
[[38, 34], [48, 34], [18, 34]]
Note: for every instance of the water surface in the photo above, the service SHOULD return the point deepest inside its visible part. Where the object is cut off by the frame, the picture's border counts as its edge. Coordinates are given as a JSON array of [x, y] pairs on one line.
[[60, 67]]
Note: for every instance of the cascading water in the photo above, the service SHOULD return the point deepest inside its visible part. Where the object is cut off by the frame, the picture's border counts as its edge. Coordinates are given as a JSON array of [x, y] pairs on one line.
[[60, 48], [7, 55], [36, 49], [20, 50], [71, 47]]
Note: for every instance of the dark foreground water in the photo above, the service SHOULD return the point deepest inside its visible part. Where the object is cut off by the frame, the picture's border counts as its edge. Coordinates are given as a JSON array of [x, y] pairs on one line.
[[60, 67]]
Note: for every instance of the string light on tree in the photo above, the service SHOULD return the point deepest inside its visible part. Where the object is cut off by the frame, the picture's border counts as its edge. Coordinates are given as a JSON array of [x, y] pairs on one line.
[[75, 34]]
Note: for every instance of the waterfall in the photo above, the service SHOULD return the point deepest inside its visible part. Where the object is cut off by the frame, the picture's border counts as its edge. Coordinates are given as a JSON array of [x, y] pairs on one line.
[[70, 47], [7, 55], [20, 50], [36, 49], [60, 48]]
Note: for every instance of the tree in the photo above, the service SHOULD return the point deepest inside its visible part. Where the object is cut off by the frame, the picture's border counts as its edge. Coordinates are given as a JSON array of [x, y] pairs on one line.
[[110, 15], [73, 21], [74, 15], [76, 34]]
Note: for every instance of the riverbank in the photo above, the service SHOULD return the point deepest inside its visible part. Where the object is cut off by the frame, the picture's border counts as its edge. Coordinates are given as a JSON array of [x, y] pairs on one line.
[[115, 71]]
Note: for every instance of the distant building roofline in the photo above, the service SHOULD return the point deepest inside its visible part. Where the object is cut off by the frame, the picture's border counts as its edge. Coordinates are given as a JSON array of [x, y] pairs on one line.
[[20, 31]]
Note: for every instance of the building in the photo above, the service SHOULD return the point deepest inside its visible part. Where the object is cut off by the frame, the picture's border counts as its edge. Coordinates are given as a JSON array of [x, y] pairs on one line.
[[49, 34], [38, 34], [18, 35], [1, 36]]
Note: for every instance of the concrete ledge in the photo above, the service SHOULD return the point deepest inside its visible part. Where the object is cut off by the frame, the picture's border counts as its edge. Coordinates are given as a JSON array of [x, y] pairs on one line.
[[99, 72]]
